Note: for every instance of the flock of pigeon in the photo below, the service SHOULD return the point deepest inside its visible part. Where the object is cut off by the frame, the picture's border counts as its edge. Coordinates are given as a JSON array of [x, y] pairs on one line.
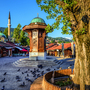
[[35, 72]]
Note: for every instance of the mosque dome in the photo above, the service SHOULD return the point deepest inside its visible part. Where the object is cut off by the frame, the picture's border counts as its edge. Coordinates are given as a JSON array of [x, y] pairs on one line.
[[2, 35], [38, 21]]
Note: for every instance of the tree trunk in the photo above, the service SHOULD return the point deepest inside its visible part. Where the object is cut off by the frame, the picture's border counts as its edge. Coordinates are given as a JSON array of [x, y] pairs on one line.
[[82, 45], [82, 63], [80, 18]]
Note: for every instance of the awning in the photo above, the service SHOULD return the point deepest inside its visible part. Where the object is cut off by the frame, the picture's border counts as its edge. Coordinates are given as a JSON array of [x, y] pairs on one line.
[[19, 48], [8, 47], [24, 50]]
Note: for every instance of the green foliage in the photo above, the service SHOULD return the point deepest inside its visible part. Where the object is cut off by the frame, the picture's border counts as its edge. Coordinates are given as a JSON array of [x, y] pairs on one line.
[[68, 79], [3, 28], [0, 31], [16, 33], [55, 11], [81, 31], [23, 39], [6, 32], [48, 28], [20, 36], [11, 34], [63, 83], [60, 39], [73, 39], [57, 82], [52, 41], [28, 41]]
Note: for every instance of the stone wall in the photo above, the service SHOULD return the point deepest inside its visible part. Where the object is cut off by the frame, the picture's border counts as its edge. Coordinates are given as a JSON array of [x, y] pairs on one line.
[[48, 86]]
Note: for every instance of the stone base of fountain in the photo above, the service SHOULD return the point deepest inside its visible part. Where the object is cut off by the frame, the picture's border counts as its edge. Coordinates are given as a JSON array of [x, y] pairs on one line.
[[26, 62]]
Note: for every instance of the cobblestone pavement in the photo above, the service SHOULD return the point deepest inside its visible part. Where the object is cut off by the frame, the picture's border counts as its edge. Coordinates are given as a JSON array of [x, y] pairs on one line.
[[10, 81]]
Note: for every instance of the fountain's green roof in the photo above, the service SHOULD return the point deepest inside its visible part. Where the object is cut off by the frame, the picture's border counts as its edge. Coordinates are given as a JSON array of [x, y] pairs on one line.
[[37, 20], [2, 35]]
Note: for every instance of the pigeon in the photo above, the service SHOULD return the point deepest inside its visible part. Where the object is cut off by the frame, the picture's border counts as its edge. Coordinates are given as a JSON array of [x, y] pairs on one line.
[[38, 70], [17, 77], [18, 70], [48, 69], [27, 74], [42, 73], [3, 80], [38, 75], [40, 66], [30, 80], [34, 75], [28, 69], [31, 71], [3, 88], [59, 62], [34, 71], [5, 73], [22, 85], [22, 72], [70, 64], [26, 78]]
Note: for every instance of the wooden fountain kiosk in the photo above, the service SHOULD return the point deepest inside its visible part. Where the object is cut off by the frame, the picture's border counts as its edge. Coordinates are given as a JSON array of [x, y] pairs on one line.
[[37, 35]]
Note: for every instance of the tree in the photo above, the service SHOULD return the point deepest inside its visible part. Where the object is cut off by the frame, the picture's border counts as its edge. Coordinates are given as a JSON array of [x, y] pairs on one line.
[[6, 32], [75, 16], [24, 40], [53, 41], [0, 31], [28, 41], [16, 33]]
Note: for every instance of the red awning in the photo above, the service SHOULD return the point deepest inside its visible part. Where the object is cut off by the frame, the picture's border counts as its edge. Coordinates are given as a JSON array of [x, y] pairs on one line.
[[24, 50]]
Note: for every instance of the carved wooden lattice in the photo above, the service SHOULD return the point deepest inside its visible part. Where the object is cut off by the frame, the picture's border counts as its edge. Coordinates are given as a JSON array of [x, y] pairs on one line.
[[34, 39]]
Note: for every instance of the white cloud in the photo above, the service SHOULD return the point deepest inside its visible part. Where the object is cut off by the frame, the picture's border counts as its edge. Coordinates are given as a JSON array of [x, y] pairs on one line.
[[68, 38]]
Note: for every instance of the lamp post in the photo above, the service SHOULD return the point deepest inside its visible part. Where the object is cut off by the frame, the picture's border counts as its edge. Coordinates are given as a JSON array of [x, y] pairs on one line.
[[63, 49], [58, 51]]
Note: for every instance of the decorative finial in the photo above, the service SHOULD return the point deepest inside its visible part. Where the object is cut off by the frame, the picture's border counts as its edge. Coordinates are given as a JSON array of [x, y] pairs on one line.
[[37, 14], [9, 15]]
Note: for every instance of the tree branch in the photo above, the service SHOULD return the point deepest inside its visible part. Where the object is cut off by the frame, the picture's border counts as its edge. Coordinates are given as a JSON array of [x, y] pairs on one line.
[[61, 3]]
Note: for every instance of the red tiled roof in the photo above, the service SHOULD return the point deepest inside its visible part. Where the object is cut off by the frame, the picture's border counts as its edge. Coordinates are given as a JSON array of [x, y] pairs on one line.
[[51, 48], [4, 44], [66, 45], [58, 47], [11, 44], [51, 44]]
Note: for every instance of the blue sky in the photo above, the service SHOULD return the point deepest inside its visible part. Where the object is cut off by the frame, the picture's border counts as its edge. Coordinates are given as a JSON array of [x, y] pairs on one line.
[[23, 11]]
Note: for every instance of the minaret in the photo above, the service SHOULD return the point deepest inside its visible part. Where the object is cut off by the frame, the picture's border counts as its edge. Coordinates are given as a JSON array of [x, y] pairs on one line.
[[9, 26]]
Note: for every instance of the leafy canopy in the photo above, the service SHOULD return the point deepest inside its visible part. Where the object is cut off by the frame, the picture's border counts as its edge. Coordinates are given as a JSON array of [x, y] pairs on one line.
[[6, 32], [16, 33], [24, 40], [55, 11]]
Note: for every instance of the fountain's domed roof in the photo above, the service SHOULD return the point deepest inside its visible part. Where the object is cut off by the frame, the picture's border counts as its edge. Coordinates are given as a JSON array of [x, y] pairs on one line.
[[38, 20], [2, 35]]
